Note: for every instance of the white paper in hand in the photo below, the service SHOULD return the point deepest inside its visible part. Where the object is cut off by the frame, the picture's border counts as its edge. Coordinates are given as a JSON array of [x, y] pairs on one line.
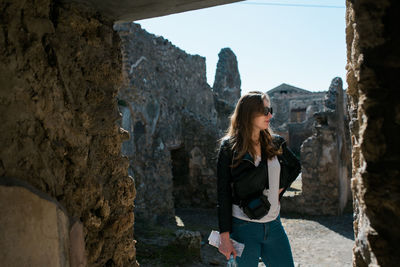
[[214, 240]]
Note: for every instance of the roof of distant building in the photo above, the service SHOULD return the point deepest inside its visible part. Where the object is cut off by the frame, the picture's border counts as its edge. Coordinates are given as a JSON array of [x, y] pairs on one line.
[[285, 88]]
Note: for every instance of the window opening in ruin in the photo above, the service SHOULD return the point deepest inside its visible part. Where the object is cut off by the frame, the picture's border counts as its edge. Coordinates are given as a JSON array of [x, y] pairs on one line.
[[298, 115], [180, 172]]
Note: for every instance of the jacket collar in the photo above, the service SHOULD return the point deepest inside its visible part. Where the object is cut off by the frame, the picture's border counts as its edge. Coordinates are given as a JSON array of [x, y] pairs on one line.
[[248, 156]]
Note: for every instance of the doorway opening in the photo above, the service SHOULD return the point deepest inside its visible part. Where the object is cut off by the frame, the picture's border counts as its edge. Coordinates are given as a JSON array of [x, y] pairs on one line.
[[180, 173]]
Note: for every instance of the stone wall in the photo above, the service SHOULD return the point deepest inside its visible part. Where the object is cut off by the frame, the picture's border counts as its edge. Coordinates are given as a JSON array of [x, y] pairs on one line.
[[60, 69], [372, 37], [169, 110], [325, 158]]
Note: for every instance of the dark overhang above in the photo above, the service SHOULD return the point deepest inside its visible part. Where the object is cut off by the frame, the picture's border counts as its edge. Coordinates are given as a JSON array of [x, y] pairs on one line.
[[129, 10]]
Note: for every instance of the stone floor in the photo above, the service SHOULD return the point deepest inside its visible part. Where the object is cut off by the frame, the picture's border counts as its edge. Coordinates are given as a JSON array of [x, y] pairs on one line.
[[316, 240]]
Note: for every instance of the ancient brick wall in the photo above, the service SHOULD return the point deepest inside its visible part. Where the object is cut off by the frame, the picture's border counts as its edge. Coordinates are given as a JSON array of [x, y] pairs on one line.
[[60, 69], [372, 37]]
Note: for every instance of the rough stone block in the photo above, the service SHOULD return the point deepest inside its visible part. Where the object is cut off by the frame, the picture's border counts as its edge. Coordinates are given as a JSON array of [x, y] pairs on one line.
[[34, 230], [189, 242]]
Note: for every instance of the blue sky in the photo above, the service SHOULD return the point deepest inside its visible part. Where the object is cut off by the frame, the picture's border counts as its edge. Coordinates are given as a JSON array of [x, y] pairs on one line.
[[274, 43]]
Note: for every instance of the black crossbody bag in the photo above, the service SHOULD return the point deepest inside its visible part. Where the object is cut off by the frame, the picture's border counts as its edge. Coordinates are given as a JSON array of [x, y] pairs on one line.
[[249, 188]]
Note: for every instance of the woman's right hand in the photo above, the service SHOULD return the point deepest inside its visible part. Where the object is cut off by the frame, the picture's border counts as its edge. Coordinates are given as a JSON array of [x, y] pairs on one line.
[[226, 246]]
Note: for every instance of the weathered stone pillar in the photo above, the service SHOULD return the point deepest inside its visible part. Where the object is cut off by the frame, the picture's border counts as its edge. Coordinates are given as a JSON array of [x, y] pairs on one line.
[[373, 65], [337, 101], [60, 70], [325, 158], [226, 87]]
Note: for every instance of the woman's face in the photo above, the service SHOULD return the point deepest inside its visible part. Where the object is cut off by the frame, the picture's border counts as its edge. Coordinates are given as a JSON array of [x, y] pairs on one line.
[[261, 121]]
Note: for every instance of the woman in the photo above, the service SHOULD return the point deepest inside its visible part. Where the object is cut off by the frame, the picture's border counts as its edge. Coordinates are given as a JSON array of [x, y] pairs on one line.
[[248, 153]]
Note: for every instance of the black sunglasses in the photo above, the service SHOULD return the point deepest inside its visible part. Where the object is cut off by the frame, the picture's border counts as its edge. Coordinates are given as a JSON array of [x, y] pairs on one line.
[[267, 110]]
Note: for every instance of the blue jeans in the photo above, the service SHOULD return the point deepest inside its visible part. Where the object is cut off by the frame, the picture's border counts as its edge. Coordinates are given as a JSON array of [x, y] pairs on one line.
[[266, 240]]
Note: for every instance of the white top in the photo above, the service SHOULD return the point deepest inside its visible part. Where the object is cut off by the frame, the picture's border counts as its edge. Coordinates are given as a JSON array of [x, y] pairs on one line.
[[274, 169]]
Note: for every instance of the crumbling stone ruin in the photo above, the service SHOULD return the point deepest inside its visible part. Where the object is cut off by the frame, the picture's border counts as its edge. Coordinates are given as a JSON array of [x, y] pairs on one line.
[[60, 143], [293, 113], [325, 158], [170, 112], [316, 128], [226, 87]]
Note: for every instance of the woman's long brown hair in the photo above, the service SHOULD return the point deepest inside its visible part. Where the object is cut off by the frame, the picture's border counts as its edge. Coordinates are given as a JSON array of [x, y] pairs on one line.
[[240, 130]]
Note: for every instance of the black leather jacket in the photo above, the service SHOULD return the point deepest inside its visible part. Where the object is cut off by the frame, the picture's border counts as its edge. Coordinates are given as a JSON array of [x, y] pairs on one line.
[[290, 168]]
